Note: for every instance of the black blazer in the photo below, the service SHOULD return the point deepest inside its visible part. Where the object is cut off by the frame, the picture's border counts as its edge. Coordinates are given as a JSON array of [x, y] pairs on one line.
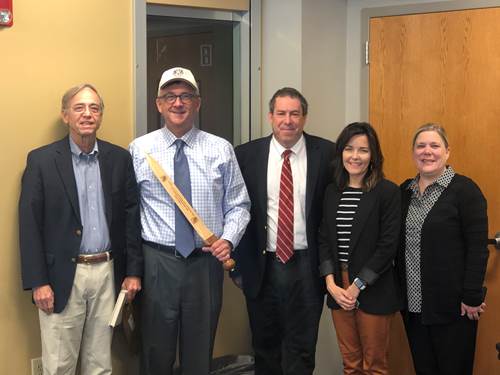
[[50, 227], [454, 251], [253, 159], [374, 243]]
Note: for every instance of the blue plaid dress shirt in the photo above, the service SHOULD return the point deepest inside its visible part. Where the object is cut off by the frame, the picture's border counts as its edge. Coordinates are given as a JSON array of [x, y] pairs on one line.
[[218, 191]]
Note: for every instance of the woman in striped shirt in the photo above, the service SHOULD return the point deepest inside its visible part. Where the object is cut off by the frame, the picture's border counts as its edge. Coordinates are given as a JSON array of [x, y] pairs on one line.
[[358, 243]]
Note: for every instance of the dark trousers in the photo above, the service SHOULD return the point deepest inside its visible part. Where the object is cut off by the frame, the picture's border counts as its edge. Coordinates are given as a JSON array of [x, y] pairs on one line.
[[284, 318], [181, 303], [441, 349]]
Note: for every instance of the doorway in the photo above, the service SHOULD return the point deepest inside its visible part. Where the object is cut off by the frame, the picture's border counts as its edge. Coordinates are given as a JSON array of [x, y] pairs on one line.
[[206, 48], [214, 33], [442, 67]]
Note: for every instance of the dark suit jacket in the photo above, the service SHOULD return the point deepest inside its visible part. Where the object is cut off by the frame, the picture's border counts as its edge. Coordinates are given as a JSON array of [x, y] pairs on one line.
[[374, 243], [454, 251], [49, 217], [253, 159]]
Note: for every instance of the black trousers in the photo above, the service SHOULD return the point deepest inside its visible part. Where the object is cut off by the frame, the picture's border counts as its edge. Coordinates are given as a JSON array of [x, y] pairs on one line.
[[441, 349], [284, 318], [181, 303]]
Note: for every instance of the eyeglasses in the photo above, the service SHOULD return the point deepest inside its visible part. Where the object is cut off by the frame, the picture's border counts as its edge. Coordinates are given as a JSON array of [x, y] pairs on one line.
[[81, 108], [185, 98]]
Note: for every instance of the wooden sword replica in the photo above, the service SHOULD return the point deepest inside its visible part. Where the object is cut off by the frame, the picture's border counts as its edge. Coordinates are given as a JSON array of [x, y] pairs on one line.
[[187, 210]]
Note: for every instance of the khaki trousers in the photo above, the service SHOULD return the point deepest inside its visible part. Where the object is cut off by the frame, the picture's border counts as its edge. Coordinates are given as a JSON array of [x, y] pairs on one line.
[[363, 339], [82, 327]]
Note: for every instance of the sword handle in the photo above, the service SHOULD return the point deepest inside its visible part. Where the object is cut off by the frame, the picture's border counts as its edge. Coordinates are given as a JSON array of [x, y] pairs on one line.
[[228, 264]]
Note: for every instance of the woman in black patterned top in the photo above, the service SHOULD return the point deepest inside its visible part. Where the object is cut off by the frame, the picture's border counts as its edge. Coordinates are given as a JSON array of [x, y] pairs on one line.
[[358, 242], [442, 259]]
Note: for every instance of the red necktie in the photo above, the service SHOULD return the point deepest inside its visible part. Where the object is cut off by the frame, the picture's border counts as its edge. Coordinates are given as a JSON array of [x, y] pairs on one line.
[[284, 240]]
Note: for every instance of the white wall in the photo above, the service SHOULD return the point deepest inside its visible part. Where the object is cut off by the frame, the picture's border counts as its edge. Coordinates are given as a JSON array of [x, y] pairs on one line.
[[281, 50], [323, 84], [323, 64]]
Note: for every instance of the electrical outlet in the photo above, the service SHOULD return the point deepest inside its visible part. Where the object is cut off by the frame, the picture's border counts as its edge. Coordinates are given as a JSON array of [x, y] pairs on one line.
[[36, 366]]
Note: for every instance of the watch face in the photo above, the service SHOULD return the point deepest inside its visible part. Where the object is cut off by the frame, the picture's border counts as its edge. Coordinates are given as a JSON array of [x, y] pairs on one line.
[[359, 284]]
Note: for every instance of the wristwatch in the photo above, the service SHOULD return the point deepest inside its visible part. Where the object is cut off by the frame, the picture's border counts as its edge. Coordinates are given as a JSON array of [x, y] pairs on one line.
[[359, 283]]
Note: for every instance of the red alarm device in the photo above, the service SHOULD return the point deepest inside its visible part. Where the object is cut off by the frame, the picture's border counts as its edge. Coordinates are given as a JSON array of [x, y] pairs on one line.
[[6, 15]]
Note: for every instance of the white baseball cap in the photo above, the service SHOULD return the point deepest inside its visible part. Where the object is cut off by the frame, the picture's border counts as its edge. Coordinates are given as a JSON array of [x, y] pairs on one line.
[[177, 74]]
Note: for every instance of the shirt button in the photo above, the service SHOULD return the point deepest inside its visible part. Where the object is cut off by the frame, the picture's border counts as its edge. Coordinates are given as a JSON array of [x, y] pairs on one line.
[[263, 252], [78, 232]]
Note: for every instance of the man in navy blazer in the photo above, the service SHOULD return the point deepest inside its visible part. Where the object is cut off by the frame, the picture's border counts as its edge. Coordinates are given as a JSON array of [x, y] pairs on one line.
[[284, 296], [79, 237]]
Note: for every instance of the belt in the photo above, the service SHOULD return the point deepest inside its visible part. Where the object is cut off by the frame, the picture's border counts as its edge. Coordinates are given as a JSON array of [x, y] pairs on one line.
[[172, 250], [296, 254], [94, 258]]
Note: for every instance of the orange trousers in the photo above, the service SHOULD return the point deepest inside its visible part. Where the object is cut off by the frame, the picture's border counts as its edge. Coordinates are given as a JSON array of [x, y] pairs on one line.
[[363, 339]]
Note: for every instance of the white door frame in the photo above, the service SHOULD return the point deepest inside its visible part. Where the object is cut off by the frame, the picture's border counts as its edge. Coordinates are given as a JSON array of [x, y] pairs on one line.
[[246, 62]]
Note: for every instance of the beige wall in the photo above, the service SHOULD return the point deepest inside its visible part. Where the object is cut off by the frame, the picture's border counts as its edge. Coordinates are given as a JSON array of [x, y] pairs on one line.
[[52, 46]]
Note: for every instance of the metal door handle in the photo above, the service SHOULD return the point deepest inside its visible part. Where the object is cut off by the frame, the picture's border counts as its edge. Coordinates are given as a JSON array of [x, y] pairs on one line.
[[495, 241]]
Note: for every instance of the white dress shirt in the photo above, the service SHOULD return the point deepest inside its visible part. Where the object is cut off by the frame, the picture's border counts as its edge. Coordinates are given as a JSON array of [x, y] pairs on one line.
[[298, 162]]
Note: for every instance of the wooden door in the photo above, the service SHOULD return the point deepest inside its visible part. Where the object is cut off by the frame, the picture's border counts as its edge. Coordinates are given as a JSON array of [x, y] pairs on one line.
[[445, 68]]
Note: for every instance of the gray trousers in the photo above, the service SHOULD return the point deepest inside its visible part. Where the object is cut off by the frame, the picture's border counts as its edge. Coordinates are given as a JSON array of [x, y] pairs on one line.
[[181, 303]]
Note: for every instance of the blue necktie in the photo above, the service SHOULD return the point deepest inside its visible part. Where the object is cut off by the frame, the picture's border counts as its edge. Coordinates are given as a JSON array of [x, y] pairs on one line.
[[184, 238]]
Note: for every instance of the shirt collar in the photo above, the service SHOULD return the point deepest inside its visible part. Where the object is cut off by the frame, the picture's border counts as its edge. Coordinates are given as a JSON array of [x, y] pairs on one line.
[[75, 150], [443, 180], [296, 148], [188, 138]]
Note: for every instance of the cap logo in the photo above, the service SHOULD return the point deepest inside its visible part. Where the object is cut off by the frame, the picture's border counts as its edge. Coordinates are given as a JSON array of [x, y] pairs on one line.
[[178, 73]]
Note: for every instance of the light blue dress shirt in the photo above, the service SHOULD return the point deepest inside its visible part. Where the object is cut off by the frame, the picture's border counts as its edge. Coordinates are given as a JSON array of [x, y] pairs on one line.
[[95, 234], [218, 191]]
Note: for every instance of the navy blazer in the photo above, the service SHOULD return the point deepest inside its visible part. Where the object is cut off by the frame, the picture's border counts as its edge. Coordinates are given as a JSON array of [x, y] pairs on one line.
[[253, 158], [373, 246], [50, 227], [454, 251]]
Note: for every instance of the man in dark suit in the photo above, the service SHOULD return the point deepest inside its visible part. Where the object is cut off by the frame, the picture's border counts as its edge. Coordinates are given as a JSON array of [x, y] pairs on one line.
[[79, 237], [277, 263]]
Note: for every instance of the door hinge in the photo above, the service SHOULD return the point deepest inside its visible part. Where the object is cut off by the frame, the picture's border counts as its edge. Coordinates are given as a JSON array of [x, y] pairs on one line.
[[367, 51]]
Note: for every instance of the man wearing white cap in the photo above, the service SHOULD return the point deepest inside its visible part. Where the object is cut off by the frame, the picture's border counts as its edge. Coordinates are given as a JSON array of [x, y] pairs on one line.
[[182, 279]]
